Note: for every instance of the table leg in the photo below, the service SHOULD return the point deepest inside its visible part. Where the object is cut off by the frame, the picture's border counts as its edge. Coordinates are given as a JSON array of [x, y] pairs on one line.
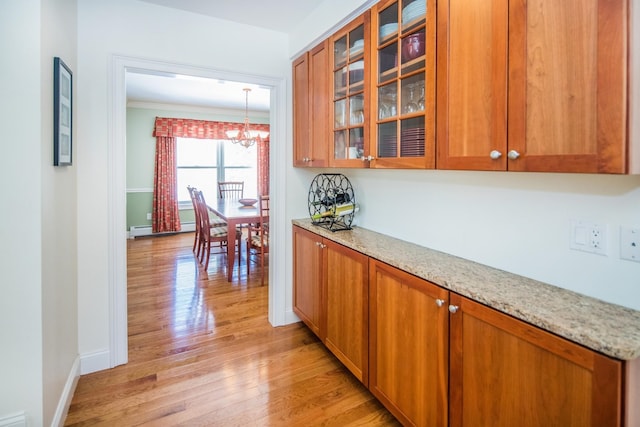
[[231, 248]]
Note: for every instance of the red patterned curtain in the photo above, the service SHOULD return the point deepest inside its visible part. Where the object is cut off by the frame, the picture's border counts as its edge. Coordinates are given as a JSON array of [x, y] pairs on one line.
[[205, 129], [263, 168], [188, 128], [165, 216]]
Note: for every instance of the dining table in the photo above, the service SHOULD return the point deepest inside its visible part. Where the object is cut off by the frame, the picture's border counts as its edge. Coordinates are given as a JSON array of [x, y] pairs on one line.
[[234, 214]]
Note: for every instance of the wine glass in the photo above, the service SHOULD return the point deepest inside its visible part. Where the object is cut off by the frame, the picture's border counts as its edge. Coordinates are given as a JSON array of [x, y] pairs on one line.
[[411, 106], [421, 100]]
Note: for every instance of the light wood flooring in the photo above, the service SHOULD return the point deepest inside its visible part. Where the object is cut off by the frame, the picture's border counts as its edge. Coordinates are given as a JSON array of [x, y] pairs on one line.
[[202, 352]]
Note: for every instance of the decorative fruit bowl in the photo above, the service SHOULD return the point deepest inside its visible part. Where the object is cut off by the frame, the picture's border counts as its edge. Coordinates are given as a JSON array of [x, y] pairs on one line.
[[248, 202]]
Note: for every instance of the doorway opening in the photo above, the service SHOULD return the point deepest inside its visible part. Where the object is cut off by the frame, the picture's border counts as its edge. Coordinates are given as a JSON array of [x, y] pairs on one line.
[[118, 186]]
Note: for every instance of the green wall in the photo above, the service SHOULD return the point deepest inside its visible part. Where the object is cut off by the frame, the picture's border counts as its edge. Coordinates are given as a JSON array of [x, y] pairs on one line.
[[141, 148]]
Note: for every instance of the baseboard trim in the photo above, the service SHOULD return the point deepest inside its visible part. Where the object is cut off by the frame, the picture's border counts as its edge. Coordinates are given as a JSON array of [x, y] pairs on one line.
[[14, 420], [95, 361], [67, 394], [290, 317]]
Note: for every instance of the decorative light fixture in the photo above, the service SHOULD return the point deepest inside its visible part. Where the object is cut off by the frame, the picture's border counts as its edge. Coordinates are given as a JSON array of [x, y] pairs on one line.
[[245, 136]]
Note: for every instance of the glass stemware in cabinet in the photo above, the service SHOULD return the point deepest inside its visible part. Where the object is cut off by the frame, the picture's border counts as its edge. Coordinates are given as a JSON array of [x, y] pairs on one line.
[[413, 94], [340, 110], [411, 106], [387, 101], [421, 100]]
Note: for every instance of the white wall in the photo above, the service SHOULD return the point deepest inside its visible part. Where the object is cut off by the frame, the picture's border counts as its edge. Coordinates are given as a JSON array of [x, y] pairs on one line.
[[129, 28], [517, 222], [59, 218], [20, 228], [38, 336]]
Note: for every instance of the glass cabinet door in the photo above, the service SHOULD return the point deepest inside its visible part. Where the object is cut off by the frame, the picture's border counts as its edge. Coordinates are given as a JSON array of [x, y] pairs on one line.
[[404, 123], [350, 108]]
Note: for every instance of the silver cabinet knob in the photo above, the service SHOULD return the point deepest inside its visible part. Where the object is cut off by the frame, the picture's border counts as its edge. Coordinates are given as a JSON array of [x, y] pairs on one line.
[[513, 154], [453, 308], [440, 302], [495, 154]]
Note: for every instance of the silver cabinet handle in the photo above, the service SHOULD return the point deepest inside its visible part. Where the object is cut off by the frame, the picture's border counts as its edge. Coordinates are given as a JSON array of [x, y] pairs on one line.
[[440, 302], [495, 154], [513, 154], [453, 308]]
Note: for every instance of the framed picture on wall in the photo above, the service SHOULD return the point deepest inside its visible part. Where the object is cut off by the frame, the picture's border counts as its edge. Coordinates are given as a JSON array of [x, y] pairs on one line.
[[62, 108]]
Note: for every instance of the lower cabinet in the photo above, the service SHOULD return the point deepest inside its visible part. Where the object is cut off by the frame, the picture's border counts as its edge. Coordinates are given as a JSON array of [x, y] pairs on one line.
[[340, 313], [308, 272], [436, 358], [408, 345], [505, 372]]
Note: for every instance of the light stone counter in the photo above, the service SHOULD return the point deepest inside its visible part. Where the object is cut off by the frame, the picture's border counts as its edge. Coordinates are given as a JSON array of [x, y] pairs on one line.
[[608, 328]]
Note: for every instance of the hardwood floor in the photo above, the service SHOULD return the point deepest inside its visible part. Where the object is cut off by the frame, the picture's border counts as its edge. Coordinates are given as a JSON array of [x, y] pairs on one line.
[[202, 352]]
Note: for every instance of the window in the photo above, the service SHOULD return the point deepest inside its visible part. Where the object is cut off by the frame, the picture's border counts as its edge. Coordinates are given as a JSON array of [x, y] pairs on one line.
[[201, 163]]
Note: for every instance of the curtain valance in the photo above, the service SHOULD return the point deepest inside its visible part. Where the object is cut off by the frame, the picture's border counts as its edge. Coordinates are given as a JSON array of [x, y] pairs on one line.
[[204, 129]]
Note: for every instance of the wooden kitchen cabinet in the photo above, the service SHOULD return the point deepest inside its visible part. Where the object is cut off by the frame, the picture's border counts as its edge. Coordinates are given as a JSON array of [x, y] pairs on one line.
[[505, 372], [350, 64], [308, 271], [347, 297], [403, 85], [311, 102], [435, 358], [532, 85], [408, 343], [331, 295]]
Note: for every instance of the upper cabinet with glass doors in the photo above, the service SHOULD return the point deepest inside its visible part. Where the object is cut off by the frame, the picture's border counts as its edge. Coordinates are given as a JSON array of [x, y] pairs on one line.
[[350, 66], [403, 93]]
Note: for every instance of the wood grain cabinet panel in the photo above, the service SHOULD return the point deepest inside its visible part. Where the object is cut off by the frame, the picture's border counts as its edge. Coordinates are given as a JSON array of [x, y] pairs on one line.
[[505, 372], [311, 102], [347, 296], [331, 295], [533, 85], [308, 276], [408, 346]]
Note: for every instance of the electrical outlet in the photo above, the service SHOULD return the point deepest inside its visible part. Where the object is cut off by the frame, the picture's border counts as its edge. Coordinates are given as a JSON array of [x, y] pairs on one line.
[[148, 216], [589, 237], [630, 243]]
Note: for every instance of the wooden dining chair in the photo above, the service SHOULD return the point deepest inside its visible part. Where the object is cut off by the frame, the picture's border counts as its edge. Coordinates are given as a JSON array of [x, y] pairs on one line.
[[258, 237], [231, 189], [196, 213], [214, 220], [211, 233]]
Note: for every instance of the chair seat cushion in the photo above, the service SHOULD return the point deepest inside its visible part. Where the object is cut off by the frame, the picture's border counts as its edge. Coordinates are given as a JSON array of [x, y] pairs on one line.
[[216, 221], [218, 231], [257, 242]]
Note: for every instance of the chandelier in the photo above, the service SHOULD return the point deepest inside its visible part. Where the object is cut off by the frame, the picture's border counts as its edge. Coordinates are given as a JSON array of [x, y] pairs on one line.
[[245, 136]]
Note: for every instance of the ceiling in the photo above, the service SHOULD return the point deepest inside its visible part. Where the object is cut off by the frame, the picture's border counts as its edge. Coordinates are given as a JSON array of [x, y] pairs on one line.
[[277, 15], [162, 88], [209, 93]]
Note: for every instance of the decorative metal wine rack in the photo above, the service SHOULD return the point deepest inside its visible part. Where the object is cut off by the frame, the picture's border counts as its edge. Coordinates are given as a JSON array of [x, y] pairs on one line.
[[332, 202]]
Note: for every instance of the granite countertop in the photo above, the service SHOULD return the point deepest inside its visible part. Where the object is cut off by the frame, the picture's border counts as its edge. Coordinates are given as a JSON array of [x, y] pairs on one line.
[[607, 328]]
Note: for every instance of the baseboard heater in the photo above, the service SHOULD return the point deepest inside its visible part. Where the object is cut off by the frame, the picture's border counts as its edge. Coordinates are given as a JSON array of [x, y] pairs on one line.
[[145, 230]]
